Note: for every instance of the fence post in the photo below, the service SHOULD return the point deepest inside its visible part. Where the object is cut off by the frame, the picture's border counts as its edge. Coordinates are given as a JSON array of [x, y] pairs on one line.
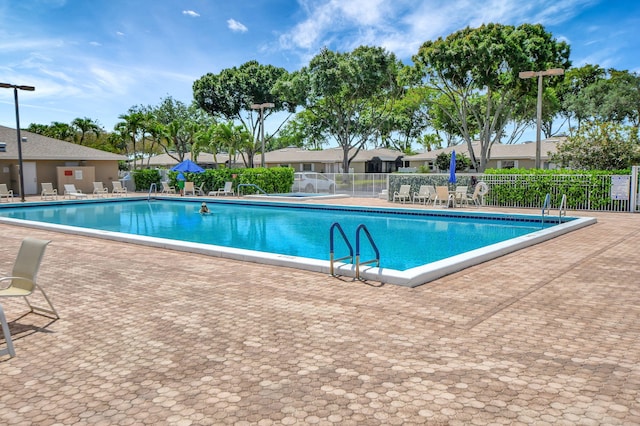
[[634, 189]]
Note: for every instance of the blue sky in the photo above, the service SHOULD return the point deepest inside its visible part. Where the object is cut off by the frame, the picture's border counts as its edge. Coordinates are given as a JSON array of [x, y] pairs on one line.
[[97, 58]]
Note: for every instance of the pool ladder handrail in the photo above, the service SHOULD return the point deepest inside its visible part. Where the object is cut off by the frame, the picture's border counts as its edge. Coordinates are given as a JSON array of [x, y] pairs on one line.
[[155, 188], [251, 185], [337, 226], [361, 227], [546, 207]]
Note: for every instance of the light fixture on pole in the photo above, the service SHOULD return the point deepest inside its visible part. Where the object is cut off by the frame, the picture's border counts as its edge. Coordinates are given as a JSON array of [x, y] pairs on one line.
[[539, 74], [15, 95], [261, 107]]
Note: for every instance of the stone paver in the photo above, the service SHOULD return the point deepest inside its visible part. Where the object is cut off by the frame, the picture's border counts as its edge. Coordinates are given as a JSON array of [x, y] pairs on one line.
[[547, 335]]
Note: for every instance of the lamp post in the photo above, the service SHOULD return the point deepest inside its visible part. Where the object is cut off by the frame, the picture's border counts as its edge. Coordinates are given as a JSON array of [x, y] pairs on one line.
[[15, 95], [261, 107], [539, 74]]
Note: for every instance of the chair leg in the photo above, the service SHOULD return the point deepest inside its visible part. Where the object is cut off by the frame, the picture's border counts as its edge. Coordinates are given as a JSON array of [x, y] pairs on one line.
[[7, 336], [39, 310]]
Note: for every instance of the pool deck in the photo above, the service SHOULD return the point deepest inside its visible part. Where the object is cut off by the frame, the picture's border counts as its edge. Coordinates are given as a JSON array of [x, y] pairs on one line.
[[547, 335]]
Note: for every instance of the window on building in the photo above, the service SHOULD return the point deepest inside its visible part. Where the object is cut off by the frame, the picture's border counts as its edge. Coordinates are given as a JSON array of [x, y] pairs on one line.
[[307, 167], [508, 164]]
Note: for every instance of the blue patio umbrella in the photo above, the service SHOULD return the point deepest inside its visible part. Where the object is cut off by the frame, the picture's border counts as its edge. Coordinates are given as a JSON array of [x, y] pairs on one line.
[[452, 168], [187, 166]]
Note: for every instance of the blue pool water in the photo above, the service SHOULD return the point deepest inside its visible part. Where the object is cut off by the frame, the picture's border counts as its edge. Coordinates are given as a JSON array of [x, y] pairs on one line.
[[406, 239]]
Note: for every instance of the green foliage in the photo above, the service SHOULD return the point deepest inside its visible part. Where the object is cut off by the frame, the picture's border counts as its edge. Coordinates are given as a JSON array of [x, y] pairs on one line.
[[600, 146], [145, 177], [526, 188], [271, 180], [443, 160]]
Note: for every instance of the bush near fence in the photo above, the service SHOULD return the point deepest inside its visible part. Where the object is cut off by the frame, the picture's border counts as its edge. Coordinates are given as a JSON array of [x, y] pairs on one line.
[[527, 188]]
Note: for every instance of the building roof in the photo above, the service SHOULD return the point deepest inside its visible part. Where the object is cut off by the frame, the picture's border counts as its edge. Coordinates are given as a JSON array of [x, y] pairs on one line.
[[499, 151], [38, 147], [330, 155]]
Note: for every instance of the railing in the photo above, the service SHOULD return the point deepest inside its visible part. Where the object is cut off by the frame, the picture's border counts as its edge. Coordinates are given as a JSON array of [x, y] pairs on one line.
[[373, 246], [333, 227], [251, 185], [155, 189]]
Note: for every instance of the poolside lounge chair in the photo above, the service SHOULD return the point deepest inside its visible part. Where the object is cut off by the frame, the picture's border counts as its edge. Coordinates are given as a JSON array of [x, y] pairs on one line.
[[70, 190], [7, 336], [166, 189], [99, 190], [461, 195], [200, 190], [403, 194], [476, 197], [189, 188], [5, 192], [425, 194], [118, 189], [443, 197], [48, 193], [22, 282], [228, 189]]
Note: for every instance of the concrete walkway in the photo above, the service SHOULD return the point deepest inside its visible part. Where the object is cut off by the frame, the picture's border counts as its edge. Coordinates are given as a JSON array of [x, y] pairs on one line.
[[547, 335]]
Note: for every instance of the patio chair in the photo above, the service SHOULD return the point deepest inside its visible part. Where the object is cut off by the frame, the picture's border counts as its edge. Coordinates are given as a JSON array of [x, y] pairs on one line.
[[99, 190], [166, 189], [118, 189], [425, 194], [48, 193], [7, 336], [70, 190], [443, 197], [228, 189], [22, 282], [461, 195], [200, 190], [5, 192], [189, 188], [403, 194]]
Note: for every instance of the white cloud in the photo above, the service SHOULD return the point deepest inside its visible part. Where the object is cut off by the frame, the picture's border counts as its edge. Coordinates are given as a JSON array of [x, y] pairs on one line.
[[191, 13], [95, 43], [236, 26], [119, 33]]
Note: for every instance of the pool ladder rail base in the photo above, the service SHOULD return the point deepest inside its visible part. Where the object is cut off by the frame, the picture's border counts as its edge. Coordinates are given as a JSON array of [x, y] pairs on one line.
[[358, 262], [546, 208]]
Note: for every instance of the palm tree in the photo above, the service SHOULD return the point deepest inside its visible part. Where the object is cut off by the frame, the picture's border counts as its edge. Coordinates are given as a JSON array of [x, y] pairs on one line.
[[84, 126]]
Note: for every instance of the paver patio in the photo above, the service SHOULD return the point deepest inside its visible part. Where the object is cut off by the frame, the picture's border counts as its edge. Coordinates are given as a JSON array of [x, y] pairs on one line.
[[546, 335]]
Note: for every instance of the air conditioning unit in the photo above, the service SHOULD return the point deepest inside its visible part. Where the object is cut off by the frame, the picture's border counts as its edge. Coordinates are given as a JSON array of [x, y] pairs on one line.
[[3, 147]]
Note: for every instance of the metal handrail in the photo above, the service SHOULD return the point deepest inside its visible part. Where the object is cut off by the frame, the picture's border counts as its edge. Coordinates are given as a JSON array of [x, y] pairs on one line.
[[362, 227], [153, 186], [546, 207], [337, 226], [562, 211], [252, 185]]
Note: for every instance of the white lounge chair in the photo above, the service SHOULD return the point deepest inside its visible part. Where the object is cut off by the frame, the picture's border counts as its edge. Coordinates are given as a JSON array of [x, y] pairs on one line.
[[5, 192], [426, 193], [99, 190], [7, 336], [22, 281], [228, 189], [461, 195], [403, 194], [70, 190], [118, 189], [200, 190], [166, 189], [189, 187], [443, 197], [48, 193]]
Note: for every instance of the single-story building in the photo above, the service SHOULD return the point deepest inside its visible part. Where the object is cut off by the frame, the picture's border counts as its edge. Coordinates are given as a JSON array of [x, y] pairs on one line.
[[46, 159], [329, 160], [300, 159], [502, 156]]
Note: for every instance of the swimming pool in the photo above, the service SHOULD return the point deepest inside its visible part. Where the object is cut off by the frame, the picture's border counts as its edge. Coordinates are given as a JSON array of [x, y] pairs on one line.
[[415, 246]]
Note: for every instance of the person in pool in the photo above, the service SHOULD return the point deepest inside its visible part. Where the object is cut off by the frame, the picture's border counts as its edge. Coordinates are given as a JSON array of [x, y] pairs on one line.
[[204, 209]]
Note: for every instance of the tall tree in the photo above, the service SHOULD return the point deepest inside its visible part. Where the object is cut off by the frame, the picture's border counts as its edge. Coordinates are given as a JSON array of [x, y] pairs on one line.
[[86, 125], [476, 70], [231, 93], [348, 94]]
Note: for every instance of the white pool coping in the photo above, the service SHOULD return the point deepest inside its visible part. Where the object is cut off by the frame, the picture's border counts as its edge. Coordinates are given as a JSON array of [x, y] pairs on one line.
[[410, 278]]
